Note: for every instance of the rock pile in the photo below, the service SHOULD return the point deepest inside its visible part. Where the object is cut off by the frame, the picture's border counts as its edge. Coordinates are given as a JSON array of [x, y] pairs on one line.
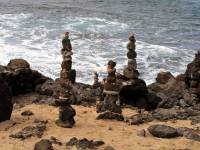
[[66, 112], [30, 131]]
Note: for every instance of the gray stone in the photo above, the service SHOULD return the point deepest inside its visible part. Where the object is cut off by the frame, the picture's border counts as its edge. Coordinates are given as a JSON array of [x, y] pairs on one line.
[[163, 131]]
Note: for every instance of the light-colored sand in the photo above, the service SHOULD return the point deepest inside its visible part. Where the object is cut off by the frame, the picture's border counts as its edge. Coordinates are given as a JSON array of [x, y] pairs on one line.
[[117, 134]]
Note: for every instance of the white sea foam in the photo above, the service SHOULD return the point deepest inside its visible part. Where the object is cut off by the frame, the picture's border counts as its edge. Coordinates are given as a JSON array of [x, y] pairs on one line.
[[94, 43]]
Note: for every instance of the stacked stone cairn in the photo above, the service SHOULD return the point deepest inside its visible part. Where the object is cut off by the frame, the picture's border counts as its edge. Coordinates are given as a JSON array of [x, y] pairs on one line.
[[111, 91], [66, 111], [131, 72], [67, 75], [134, 90]]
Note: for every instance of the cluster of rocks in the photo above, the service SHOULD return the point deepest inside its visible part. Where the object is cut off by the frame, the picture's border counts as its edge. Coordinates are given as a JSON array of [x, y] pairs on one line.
[[80, 144], [163, 114], [30, 131], [67, 74]]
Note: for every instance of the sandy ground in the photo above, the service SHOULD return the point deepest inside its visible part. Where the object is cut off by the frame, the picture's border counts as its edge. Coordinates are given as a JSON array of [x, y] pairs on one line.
[[119, 135]]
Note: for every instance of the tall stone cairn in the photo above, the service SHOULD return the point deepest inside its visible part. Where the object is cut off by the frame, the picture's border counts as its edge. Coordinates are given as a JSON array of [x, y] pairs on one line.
[[67, 74], [130, 71], [111, 89]]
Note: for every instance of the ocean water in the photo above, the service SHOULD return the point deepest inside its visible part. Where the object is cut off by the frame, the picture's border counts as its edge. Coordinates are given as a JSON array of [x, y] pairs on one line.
[[167, 33]]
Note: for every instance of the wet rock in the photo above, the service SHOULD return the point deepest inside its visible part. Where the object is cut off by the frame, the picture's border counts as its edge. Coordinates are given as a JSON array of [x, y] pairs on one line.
[[163, 131], [27, 113], [110, 116], [163, 77], [43, 144], [6, 105]]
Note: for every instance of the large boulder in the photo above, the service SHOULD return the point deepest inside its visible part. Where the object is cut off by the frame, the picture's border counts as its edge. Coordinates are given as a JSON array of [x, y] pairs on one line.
[[20, 77], [6, 105], [134, 94]]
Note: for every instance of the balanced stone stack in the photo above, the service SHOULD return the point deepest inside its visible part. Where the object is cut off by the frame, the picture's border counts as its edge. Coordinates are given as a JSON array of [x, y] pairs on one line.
[[134, 90], [67, 75], [130, 72], [66, 112], [111, 89]]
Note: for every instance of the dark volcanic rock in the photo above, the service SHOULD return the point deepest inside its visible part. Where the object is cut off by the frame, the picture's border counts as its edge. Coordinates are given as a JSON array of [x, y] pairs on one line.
[[30, 131], [135, 93], [163, 131], [43, 144], [84, 143], [111, 116], [6, 105], [20, 77]]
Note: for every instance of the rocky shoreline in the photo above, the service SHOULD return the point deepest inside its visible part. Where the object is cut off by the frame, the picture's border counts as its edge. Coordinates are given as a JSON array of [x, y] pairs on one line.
[[168, 99]]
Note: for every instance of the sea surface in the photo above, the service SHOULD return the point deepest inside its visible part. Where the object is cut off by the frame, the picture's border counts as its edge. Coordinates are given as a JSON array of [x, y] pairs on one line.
[[167, 33]]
